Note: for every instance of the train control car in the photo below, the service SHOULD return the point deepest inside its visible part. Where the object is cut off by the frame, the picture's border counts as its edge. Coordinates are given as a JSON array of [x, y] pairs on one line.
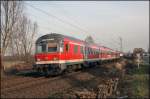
[[56, 53]]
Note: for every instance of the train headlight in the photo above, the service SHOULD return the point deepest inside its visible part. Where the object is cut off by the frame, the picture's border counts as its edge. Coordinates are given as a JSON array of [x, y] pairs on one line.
[[38, 59], [55, 58]]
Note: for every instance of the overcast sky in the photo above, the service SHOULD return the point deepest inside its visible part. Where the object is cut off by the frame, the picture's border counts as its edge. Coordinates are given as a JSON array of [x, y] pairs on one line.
[[104, 21]]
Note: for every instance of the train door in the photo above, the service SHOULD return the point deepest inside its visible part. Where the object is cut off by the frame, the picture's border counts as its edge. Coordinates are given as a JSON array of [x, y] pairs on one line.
[[66, 50]]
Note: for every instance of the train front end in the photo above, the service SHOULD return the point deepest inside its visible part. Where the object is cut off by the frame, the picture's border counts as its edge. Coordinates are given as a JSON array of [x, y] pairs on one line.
[[47, 56]]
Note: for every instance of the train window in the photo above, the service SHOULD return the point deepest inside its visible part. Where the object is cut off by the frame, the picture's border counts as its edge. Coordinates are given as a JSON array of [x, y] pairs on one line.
[[88, 50], [75, 48], [67, 47], [92, 51], [38, 49], [41, 48], [81, 49], [97, 51], [52, 47], [44, 48]]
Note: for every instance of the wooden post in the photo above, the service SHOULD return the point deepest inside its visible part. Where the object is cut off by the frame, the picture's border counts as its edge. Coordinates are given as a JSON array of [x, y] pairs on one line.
[[138, 60]]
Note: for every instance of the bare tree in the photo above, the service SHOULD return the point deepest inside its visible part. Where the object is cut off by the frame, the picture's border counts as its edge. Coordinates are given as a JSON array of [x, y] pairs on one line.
[[17, 31], [27, 36], [10, 14]]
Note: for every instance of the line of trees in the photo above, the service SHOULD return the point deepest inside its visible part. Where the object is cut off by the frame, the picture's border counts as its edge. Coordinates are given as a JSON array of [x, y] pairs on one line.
[[89, 39], [17, 31]]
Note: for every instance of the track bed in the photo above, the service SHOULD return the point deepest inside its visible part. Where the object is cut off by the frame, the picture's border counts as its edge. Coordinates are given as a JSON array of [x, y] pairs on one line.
[[31, 86]]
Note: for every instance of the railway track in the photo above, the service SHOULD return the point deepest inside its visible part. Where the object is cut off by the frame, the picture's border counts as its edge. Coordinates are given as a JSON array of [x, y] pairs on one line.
[[32, 83]]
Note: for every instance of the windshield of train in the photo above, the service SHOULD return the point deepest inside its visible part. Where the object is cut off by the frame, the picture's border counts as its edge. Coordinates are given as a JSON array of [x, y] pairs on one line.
[[52, 47], [41, 48], [49, 47]]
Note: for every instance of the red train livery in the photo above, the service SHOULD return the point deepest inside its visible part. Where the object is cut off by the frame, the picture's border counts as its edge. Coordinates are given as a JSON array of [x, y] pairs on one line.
[[56, 53]]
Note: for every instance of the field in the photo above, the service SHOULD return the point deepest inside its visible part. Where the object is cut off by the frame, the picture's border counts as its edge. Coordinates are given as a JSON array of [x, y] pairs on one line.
[[89, 83]]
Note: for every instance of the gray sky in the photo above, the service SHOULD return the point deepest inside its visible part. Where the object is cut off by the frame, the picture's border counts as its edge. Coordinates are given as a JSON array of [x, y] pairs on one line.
[[105, 21]]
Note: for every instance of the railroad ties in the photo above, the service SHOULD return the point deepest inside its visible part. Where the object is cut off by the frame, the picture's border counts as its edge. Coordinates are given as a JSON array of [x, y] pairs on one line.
[[102, 91]]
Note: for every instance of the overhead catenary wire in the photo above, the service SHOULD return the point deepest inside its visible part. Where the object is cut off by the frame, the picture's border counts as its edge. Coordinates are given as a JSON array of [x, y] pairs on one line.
[[59, 19], [74, 18], [107, 42], [47, 28]]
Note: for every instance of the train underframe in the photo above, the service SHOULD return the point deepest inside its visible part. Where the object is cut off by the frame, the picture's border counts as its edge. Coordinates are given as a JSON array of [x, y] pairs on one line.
[[59, 68]]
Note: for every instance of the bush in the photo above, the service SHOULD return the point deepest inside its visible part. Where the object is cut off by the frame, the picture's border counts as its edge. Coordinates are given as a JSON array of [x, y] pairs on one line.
[[10, 71]]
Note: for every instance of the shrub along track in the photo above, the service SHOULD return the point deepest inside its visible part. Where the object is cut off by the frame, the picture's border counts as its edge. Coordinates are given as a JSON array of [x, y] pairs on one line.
[[42, 87]]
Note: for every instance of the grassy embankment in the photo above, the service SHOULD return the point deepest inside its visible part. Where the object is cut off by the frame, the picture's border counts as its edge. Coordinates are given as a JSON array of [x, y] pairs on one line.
[[139, 81]]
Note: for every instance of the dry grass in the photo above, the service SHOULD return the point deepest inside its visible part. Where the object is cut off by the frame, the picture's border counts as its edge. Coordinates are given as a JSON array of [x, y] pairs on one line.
[[9, 64], [12, 67], [139, 84]]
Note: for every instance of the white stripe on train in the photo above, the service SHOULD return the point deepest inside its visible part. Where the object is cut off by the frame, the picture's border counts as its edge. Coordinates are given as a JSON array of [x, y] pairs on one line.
[[70, 61]]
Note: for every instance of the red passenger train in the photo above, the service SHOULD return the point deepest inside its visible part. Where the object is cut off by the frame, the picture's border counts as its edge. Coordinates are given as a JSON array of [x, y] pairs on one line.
[[56, 53]]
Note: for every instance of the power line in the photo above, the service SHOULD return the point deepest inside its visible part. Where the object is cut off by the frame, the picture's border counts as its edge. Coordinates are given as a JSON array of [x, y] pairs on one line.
[[74, 19], [48, 28], [108, 42], [70, 5], [121, 48], [57, 18]]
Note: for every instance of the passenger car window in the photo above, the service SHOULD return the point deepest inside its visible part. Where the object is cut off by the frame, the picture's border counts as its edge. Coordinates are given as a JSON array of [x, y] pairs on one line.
[[75, 48], [88, 50], [81, 49]]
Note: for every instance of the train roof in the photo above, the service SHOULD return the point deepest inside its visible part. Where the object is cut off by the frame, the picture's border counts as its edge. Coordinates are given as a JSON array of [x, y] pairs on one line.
[[61, 36], [58, 36]]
